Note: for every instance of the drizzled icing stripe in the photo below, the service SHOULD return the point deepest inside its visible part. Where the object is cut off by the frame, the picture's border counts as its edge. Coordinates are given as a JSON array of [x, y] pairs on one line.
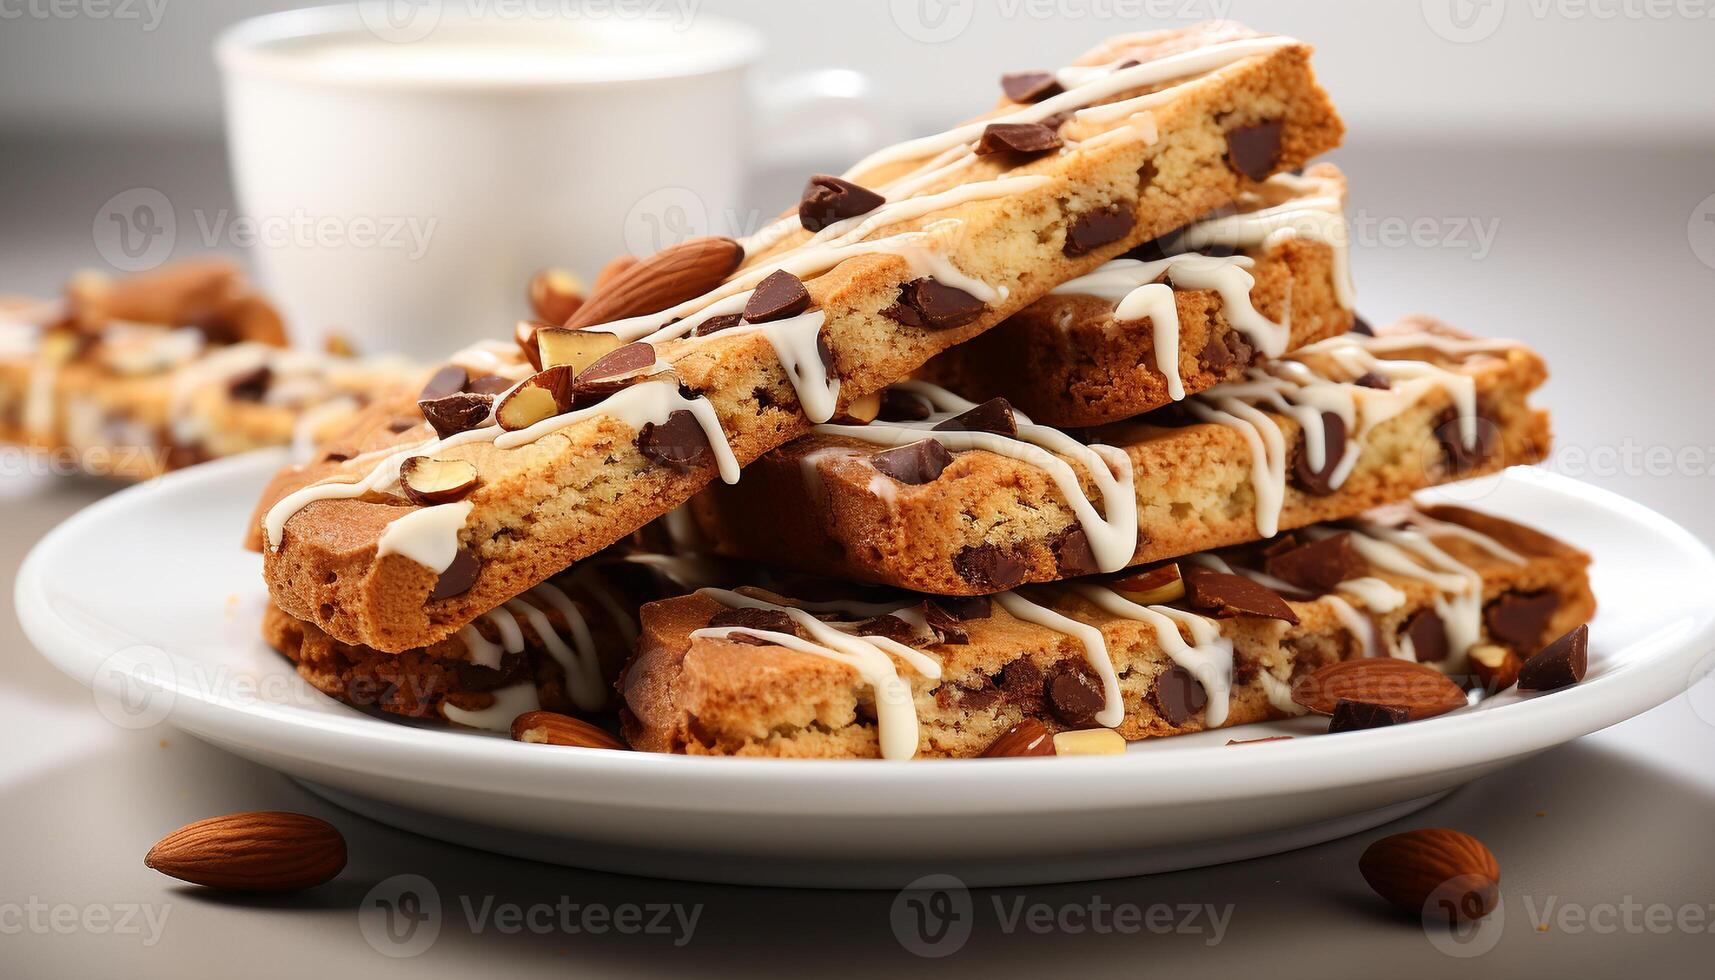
[[1291, 387], [1112, 532], [1095, 650], [578, 661], [509, 703], [484, 652]]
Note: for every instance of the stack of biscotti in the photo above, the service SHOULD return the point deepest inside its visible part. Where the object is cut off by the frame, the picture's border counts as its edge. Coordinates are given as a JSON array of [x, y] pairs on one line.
[[128, 378], [1127, 305]]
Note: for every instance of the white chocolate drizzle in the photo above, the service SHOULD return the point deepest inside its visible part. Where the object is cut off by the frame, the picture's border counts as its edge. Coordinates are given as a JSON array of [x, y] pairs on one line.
[[509, 703], [1112, 532], [428, 536], [1208, 658], [578, 660]]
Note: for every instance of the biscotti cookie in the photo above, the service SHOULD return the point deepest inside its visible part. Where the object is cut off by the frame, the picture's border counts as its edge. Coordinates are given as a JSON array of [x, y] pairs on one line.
[[939, 495], [697, 360], [558, 646], [1175, 316], [749, 673]]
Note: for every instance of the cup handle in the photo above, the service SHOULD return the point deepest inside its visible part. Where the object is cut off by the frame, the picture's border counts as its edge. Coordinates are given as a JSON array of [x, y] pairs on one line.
[[822, 117]]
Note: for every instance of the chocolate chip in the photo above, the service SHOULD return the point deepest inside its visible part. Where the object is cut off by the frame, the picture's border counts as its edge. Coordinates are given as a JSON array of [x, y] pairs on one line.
[[1352, 716], [1026, 138], [612, 372], [965, 607], [1318, 565], [1074, 695], [1021, 680], [1155, 249], [678, 442], [777, 297], [449, 380], [716, 324], [745, 617], [1362, 326], [1030, 86], [1458, 456], [1254, 150], [455, 413], [458, 576], [829, 199], [933, 305], [252, 385], [1517, 619], [488, 384], [1093, 229], [1320, 481], [898, 405], [1223, 351], [946, 626], [1072, 553], [1370, 379], [989, 567], [1560, 664], [914, 465], [968, 698], [1428, 636], [1234, 595], [1179, 695], [994, 415], [891, 627]]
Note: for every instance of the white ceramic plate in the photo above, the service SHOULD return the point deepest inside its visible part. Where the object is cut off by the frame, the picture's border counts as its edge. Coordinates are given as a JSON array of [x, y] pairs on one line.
[[147, 598]]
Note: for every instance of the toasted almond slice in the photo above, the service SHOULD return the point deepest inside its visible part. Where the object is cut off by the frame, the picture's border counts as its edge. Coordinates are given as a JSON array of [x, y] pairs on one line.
[[862, 410], [427, 480], [543, 395], [524, 334], [576, 349], [1152, 587]]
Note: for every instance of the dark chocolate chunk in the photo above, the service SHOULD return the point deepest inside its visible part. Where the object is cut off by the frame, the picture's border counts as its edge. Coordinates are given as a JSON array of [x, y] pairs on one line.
[[252, 385], [1030, 86], [455, 413], [612, 372], [1353, 716], [960, 696], [965, 607], [1517, 619], [899, 405], [1318, 565], [828, 199], [458, 576], [946, 626], [1362, 326], [1224, 352], [1459, 456], [933, 305], [1021, 680], [994, 415], [1155, 249], [777, 297], [892, 627], [989, 567], [914, 465], [1254, 150], [488, 384], [1026, 138], [678, 442], [744, 617], [1560, 664], [1072, 553], [715, 324], [1428, 636], [449, 380], [1074, 695], [1319, 481], [1093, 229], [1370, 379], [1179, 695], [1234, 595]]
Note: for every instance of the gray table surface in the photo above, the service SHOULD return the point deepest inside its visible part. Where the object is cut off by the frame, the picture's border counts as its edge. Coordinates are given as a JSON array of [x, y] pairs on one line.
[[1589, 252]]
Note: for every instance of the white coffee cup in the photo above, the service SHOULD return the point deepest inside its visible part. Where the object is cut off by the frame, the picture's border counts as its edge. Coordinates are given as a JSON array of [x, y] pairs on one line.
[[406, 166]]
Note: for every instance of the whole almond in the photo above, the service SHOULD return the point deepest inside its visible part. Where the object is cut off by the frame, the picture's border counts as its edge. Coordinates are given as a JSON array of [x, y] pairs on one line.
[[673, 275], [268, 851], [619, 263], [1436, 872], [1421, 690], [553, 728]]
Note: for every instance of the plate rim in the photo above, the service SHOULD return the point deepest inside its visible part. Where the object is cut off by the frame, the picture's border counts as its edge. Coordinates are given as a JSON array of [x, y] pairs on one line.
[[1198, 775]]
